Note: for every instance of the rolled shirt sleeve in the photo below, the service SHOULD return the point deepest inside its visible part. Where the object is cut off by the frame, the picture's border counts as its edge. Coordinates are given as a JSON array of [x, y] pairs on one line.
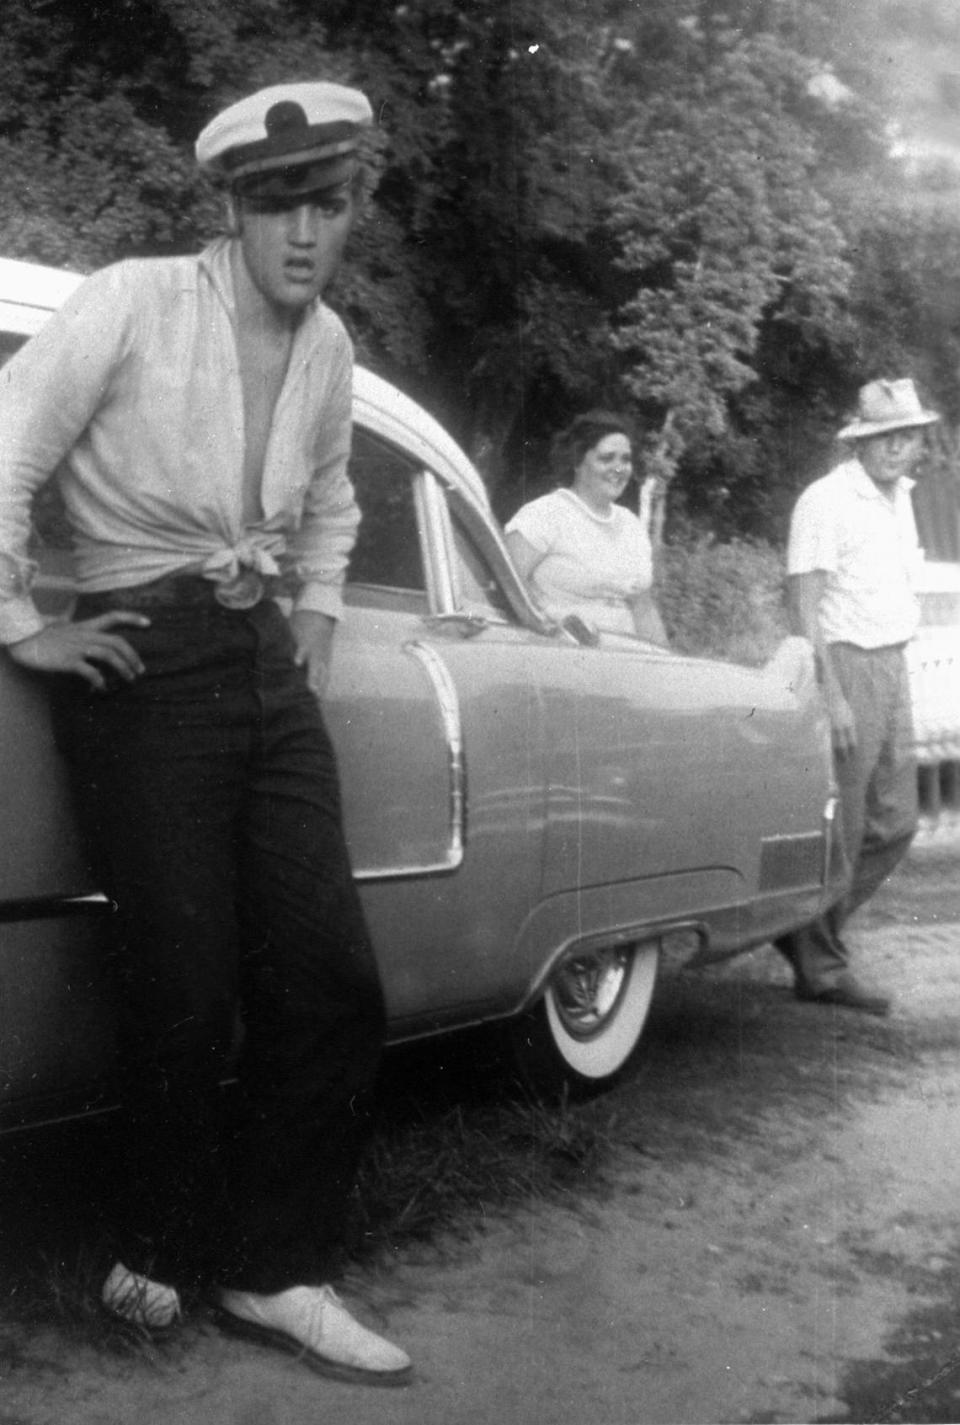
[[49, 392], [318, 551]]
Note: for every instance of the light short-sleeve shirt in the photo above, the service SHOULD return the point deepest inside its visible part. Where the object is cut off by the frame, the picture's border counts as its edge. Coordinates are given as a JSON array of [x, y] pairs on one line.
[[867, 546], [592, 564]]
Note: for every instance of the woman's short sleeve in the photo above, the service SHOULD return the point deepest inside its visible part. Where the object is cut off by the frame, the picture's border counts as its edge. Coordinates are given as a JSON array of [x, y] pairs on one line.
[[533, 521]]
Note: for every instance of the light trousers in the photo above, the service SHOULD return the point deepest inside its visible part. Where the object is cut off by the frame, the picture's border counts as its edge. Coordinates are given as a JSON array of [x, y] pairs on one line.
[[877, 784]]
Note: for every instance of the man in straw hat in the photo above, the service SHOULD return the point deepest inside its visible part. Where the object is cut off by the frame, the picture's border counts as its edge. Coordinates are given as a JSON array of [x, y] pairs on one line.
[[852, 554], [197, 413]]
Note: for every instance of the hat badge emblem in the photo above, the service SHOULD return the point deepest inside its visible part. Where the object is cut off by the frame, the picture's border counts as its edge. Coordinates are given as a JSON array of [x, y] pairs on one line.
[[286, 117]]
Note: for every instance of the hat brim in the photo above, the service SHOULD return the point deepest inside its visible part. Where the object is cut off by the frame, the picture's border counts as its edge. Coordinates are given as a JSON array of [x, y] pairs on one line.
[[863, 430], [297, 180]]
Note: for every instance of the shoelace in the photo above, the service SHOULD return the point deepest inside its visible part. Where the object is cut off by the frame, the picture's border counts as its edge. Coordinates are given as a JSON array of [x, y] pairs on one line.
[[322, 1297]]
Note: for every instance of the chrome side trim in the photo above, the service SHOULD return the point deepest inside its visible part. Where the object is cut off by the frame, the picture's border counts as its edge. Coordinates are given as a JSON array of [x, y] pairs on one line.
[[448, 705], [54, 907], [830, 834]]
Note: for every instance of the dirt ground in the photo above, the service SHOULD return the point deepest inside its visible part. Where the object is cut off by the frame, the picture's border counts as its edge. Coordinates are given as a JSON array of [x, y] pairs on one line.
[[778, 1239]]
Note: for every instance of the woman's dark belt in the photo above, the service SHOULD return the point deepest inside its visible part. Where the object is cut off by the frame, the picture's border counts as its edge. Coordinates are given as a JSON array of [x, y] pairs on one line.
[[186, 591]]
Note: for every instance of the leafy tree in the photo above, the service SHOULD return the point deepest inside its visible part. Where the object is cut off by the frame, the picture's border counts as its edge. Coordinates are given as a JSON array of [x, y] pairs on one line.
[[667, 206], [496, 117], [725, 237], [98, 121], [87, 170]]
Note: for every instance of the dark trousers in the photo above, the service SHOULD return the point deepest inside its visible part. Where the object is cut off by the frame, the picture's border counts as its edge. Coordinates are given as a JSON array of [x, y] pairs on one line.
[[877, 785], [211, 795]]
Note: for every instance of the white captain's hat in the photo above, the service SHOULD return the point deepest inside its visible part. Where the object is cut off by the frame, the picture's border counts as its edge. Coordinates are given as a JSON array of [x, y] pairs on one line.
[[288, 140]]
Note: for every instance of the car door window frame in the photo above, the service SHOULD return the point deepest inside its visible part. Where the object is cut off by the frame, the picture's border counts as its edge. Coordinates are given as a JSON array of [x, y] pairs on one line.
[[436, 536], [438, 500]]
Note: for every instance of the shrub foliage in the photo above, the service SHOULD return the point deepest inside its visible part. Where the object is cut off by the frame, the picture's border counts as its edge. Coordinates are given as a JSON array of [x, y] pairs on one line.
[[723, 600]]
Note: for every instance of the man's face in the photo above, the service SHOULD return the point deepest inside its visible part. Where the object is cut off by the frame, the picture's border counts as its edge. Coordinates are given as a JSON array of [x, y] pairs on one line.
[[886, 457], [292, 247]]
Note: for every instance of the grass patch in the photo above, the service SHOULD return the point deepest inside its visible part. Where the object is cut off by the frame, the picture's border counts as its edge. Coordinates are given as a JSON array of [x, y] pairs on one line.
[[454, 1144], [63, 1292], [443, 1174]]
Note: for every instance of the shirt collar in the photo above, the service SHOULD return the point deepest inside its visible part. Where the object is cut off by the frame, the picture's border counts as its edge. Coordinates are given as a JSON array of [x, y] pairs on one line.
[[215, 262], [581, 504]]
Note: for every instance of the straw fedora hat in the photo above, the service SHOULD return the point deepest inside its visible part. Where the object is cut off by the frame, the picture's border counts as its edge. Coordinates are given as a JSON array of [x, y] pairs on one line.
[[884, 406]]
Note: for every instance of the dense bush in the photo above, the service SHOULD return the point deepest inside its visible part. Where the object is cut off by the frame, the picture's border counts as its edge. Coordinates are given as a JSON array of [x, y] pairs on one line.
[[725, 600]]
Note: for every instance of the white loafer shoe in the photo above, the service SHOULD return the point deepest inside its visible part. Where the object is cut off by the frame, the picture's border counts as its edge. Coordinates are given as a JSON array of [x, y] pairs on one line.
[[154, 1306], [312, 1322]]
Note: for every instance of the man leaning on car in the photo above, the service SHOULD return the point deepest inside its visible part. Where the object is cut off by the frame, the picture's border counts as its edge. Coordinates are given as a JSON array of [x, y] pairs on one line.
[[852, 554], [197, 411]]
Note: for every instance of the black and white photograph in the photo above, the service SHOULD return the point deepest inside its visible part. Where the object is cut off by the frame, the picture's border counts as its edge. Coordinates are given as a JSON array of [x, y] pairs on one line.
[[479, 712]]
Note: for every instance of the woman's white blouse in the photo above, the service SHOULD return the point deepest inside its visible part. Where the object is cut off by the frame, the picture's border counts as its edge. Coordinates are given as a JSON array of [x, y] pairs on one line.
[[592, 564]]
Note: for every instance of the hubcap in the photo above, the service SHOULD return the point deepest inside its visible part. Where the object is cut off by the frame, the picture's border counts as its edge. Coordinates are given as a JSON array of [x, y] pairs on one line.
[[587, 989]]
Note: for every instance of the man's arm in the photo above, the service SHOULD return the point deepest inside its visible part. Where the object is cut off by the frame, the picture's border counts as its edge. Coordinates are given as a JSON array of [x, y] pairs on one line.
[[48, 394], [804, 594], [319, 551], [322, 551]]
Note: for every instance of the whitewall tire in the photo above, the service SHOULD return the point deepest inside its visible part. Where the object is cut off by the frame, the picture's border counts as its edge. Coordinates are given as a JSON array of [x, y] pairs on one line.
[[585, 1029]]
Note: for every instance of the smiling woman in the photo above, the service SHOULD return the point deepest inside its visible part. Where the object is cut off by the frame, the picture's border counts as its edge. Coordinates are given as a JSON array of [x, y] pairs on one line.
[[583, 554]]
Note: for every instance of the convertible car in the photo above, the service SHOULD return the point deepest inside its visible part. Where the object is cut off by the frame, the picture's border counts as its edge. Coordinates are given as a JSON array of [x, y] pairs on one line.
[[531, 818]]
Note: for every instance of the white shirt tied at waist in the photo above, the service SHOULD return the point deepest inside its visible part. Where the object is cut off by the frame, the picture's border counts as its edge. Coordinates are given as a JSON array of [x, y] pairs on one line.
[[867, 546], [162, 494], [239, 574]]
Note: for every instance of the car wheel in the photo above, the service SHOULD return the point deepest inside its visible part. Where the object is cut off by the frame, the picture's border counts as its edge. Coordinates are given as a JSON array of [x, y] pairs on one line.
[[584, 1030]]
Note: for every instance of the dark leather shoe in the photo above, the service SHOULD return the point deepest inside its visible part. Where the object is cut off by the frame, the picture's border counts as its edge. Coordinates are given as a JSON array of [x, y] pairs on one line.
[[848, 993]]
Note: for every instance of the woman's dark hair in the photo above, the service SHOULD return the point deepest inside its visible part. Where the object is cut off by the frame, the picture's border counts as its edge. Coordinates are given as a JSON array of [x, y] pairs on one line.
[[582, 434]]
